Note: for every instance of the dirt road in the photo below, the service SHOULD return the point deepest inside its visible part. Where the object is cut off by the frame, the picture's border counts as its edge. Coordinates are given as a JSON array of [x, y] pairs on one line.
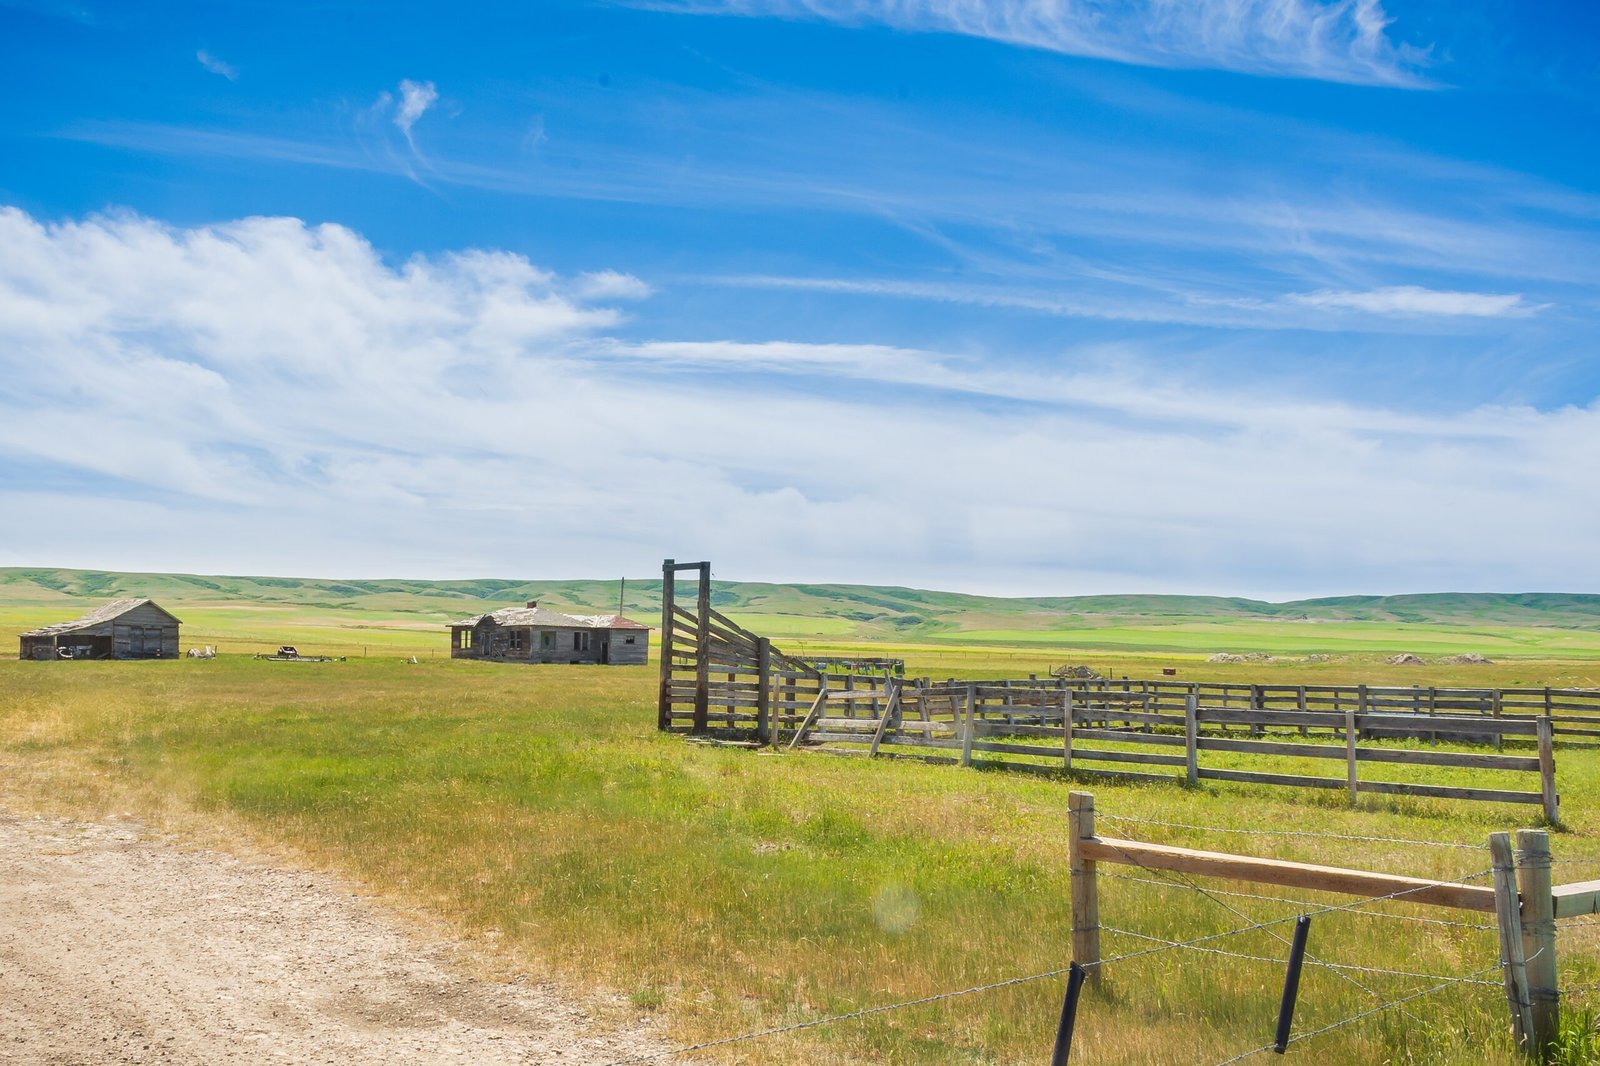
[[118, 948]]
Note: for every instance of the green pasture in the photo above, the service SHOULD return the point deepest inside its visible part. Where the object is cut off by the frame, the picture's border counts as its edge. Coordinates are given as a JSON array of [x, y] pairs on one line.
[[1306, 638], [536, 812]]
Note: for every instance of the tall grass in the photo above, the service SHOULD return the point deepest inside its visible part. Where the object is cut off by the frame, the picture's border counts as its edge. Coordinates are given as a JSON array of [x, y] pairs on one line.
[[538, 813]]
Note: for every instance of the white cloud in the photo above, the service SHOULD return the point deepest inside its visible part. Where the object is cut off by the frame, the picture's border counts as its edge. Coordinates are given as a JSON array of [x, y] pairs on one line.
[[610, 285], [216, 66], [267, 396], [415, 99], [1334, 40], [1412, 300]]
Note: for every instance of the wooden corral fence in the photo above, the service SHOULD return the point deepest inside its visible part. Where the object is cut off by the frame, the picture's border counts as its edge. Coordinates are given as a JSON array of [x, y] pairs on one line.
[[720, 680], [1522, 897]]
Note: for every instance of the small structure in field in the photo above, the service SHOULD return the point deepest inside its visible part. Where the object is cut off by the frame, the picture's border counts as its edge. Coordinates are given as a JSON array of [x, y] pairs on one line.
[[122, 629], [535, 634]]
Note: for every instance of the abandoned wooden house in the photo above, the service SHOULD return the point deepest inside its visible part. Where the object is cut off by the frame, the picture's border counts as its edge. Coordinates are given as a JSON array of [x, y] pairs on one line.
[[122, 629], [535, 634]]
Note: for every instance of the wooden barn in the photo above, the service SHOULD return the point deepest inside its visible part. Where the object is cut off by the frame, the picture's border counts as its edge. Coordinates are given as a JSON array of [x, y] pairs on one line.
[[122, 629], [535, 634]]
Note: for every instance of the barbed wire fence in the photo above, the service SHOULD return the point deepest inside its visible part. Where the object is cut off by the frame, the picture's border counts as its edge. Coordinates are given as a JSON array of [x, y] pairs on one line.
[[1207, 945]]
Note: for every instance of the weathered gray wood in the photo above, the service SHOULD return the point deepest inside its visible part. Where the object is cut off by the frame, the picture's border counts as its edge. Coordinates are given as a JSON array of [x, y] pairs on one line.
[[1085, 892], [1547, 772], [702, 675], [889, 711], [1191, 738], [1350, 750], [1539, 937], [816, 709], [664, 706], [967, 734], [1508, 917], [1066, 730], [764, 726]]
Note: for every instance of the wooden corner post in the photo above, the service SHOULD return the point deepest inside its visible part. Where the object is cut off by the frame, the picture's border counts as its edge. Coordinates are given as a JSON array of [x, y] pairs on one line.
[[1508, 915], [1539, 937], [1085, 893], [669, 579]]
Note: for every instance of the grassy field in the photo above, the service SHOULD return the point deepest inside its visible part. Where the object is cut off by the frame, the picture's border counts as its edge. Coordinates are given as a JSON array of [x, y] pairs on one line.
[[536, 812], [368, 617]]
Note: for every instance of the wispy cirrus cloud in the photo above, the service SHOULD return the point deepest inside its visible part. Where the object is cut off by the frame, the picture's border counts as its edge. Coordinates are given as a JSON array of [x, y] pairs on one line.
[[415, 99], [1331, 40], [216, 66], [1414, 301]]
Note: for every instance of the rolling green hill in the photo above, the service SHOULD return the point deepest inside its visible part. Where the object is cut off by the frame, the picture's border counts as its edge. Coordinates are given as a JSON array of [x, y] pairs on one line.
[[410, 613]]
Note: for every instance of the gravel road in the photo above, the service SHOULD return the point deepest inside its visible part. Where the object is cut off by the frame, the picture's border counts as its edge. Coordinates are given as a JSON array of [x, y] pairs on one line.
[[117, 947]]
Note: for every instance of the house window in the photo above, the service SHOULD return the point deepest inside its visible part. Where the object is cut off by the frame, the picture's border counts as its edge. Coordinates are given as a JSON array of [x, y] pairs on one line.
[[627, 640], [464, 639], [547, 640], [518, 640], [580, 641]]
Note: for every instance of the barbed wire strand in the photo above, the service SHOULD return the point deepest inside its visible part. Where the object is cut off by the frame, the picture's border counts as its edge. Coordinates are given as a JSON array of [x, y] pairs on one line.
[[1364, 1014], [1309, 961], [1292, 833], [1308, 903]]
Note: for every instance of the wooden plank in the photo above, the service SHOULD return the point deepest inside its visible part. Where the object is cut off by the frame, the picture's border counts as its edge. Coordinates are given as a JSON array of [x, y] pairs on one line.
[[1288, 874], [1471, 760], [1258, 778], [888, 712], [816, 709], [1580, 897], [1495, 795]]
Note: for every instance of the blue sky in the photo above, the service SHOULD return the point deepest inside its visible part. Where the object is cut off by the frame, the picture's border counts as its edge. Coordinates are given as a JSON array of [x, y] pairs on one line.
[[1262, 297]]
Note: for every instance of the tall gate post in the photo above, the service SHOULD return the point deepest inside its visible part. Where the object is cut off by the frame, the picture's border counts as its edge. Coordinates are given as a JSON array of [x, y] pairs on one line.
[[1085, 893], [702, 674], [669, 579], [764, 730], [1539, 936]]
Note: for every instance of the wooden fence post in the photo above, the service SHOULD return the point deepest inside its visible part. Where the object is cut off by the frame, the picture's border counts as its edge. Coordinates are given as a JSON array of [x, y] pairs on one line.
[[1350, 749], [668, 587], [1066, 729], [966, 734], [1191, 740], [1539, 937], [1508, 914], [1085, 894], [1547, 770], [702, 676], [764, 730]]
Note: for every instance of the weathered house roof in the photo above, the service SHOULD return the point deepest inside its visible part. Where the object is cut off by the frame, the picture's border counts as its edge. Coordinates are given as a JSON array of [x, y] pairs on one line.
[[99, 616], [609, 621], [543, 616]]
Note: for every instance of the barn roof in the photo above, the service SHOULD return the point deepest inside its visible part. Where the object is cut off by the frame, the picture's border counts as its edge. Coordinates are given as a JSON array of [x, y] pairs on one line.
[[543, 616], [99, 616]]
